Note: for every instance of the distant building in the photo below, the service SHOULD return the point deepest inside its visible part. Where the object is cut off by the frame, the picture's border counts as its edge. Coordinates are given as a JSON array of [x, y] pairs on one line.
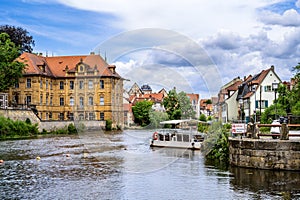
[[242, 99]]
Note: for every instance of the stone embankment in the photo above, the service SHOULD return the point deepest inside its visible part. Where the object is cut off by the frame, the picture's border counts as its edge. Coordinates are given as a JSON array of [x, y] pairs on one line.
[[265, 153], [22, 115]]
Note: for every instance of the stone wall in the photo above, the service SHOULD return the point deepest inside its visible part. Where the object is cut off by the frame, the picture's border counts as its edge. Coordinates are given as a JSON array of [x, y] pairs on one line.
[[22, 115], [265, 153]]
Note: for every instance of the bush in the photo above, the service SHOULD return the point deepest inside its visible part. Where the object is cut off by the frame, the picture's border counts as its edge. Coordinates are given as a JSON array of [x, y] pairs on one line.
[[202, 118], [108, 125], [72, 129]]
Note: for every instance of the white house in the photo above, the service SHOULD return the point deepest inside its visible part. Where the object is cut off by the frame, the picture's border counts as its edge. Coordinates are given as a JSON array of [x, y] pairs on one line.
[[257, 93]]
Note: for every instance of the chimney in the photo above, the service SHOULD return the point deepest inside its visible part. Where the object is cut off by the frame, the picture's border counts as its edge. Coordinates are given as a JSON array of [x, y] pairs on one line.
[[92, 53], [272, 67]]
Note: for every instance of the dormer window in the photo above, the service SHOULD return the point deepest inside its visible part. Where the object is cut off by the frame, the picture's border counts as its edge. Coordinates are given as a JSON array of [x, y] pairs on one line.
[[81, 68]]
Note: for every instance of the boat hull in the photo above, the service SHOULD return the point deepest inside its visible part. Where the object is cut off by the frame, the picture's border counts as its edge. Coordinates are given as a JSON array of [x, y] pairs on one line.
[[176, 144]]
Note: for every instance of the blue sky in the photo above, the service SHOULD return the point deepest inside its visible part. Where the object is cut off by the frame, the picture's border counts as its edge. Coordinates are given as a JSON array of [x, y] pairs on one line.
[[156, 41]]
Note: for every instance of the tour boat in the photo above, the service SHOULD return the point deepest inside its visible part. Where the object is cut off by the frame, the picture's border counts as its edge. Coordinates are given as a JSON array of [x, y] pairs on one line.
[[185, 137]]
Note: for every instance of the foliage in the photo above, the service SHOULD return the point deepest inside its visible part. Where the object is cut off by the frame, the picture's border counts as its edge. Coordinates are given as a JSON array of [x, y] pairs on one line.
[[172, 106], [72, 129], [141, 112], [202, 118], [272, 112], [203, 128], [216, 146], [208, 101], [186, 108], [178, 106], [209, 118], [19, 36], [10, 69], [157, 117], [108, 125], [289, 100], [13, 129]]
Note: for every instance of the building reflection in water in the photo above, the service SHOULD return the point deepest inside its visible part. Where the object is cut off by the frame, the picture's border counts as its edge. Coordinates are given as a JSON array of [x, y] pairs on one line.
[[264, 182]]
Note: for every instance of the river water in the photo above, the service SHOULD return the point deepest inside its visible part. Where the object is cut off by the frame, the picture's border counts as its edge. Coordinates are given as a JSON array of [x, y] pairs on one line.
[[98, 165]]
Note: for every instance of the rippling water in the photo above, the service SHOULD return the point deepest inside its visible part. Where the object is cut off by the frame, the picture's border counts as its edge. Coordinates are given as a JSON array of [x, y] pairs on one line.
[[96, 165]]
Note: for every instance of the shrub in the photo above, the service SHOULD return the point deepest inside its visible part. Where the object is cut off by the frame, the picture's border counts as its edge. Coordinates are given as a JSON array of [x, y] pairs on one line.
[[72, 129], [108, 125]]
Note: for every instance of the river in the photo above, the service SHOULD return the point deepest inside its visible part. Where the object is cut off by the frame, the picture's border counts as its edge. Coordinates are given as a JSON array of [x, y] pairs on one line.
[[98, 165]]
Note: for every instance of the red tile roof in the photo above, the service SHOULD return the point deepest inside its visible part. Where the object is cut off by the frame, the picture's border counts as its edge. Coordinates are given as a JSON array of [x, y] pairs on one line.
[[57, 65]]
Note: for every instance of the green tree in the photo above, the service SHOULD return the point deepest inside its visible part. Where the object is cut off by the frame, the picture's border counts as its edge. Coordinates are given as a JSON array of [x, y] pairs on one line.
[[271, 112], [172, 105], [141, 112], [10, 69], [202, 118], [156, 117], [185, 106], [19, 36]]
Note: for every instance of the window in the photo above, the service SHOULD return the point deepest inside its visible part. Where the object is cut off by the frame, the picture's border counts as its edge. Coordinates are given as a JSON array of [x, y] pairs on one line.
[[101, 84], [268, 88], [51, 100], [81, 85], [102, 116], [264, 104], [28, 100], [51, 85], [90, 84], [61, 116], [46, 99], [41, 84], [17, 85], [46, 84], [81, 102], [41, 99], [91, 116], [71, 116], [50, 115], [61, 101], [61, 85], [91, 101], [81, 116], [101, 101], [71, 101], [28, 83], [71, 85]]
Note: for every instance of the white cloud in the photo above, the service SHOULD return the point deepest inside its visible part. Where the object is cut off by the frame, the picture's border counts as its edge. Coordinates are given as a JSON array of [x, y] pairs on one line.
[[193, 17], [288, 18], [298, 4]]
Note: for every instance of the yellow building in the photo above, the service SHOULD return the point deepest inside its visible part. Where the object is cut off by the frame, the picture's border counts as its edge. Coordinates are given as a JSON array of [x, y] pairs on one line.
[[70, 88]]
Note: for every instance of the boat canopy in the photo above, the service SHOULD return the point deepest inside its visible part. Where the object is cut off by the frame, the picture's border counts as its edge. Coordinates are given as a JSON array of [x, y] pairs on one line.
[[178, 121]]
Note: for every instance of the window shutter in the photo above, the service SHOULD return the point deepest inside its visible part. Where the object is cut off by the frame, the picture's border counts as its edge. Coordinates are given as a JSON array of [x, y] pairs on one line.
[[266, 104], [256, 104]]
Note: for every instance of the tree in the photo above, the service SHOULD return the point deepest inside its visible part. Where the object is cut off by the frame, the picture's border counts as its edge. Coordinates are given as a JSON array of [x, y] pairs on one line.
[[19, 36], [172, 105], [10, 69], [185, 106], [141, 112], [156, 117]]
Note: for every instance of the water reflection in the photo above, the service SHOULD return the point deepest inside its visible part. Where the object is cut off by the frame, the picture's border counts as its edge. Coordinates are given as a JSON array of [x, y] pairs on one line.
[[266, 182]]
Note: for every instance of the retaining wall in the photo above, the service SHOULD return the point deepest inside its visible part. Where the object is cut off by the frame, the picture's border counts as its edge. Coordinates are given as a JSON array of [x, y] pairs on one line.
[[16, 114], [265, 153]]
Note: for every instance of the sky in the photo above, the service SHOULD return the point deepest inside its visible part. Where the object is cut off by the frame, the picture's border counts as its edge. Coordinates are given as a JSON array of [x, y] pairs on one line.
[[194, 45]]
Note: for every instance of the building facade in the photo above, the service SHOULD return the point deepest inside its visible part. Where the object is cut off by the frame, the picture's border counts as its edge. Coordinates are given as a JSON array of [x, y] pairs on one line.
[[70, 88]]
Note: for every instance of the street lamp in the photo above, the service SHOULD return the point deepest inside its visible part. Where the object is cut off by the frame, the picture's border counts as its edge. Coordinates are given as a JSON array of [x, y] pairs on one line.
[[241, 102], [275, 87], [254, 90]]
